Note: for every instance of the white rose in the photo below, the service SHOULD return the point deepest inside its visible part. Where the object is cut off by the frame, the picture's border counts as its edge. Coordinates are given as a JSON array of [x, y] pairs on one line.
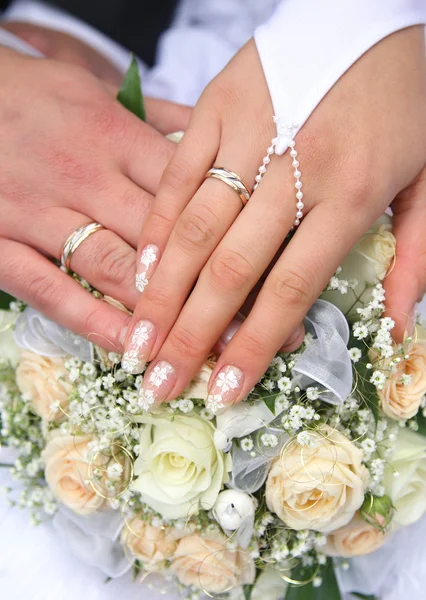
[[198, 386], [354, 539], [207, 564], [152, 546], [71, 472], [367, 262], [407, 490], [8, 349], [270, 585], [44, 382], [179, 471], [318, 487]]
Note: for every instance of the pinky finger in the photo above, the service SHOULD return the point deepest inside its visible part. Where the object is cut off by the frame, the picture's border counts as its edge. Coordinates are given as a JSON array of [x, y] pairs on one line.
[[26, 274]]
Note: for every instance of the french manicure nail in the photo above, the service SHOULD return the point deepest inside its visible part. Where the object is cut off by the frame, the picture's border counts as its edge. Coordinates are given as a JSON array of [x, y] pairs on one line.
[[225, 389], [138, 347], [157, 384], [147, 265]]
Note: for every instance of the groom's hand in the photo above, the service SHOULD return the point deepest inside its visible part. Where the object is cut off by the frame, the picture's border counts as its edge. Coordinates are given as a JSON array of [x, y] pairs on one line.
[[70, 154]]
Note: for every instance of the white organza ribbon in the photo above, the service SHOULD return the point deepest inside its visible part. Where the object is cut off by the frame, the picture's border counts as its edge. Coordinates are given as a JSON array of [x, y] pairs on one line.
[[326, 362], [94, 539], [35, 332]]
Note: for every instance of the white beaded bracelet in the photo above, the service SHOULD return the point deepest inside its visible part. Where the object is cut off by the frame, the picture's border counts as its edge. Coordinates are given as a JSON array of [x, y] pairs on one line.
[[288, 132]]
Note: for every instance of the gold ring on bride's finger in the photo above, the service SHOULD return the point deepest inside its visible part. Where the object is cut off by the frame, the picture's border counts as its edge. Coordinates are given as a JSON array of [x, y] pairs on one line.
[[74, 241], [231, 179]]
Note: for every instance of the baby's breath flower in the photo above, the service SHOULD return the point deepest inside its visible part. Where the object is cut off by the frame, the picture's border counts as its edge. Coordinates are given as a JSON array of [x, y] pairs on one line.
[[355, 354], [247, 444]]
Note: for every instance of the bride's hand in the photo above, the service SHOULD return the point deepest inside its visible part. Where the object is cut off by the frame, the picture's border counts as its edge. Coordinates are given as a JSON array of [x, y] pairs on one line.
[[70, 154], [362, 147]]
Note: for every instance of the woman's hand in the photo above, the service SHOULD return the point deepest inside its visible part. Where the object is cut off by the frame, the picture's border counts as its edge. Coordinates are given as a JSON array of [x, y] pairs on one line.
[[362, 147], [70, 154]]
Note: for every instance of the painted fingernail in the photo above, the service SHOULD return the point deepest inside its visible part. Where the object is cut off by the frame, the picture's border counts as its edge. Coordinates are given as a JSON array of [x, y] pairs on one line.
[[147, 265], [138, 347], [157, 384], [225, 389]]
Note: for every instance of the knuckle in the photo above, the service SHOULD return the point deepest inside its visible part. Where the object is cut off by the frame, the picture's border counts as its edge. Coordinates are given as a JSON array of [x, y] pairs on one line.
[[230, 270], [184, 342], [193, 230], [291, 288], [44, 292], [114, 265], [159, 222], [178, 175], [253, 344], [157, 297]]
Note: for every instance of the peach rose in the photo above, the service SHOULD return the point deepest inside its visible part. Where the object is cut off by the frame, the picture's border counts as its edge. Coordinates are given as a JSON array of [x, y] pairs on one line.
[[207, 564], [44, 381], [355, 539], [198, 386], [399, 401], [318, 486], [78, 476], [151, 545]]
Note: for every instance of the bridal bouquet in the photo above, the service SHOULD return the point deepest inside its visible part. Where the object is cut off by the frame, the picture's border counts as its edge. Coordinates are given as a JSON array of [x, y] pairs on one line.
[[274, 497]]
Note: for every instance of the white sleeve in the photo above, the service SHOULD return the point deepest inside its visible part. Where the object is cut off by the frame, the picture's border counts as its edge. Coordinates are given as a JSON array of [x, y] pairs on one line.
[[307, 45]]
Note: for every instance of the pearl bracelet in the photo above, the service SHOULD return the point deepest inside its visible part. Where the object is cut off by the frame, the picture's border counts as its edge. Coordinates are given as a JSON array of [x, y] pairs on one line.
[[287, 132]]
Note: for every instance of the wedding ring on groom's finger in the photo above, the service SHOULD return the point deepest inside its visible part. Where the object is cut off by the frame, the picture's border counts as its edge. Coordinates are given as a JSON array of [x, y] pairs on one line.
[[74, 241], [231, 179]]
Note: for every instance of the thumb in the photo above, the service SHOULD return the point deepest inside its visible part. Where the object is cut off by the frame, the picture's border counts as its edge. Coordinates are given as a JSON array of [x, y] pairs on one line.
[[406, 283]]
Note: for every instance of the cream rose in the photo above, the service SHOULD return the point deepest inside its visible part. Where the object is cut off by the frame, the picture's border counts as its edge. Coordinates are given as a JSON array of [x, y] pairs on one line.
[[367, 262], [8, 349], [80, 477], [399, 401], [355, 539], [207, 564], [151, 545], [407, 490], [44, 381], [318, 487], [179, 471], [198, 386]]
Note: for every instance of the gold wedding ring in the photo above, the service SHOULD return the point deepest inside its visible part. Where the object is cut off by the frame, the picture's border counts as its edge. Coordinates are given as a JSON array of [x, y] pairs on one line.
[[231, 179], [74, 241]]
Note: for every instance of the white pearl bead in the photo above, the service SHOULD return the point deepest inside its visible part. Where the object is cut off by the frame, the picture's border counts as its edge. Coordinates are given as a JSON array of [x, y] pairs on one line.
[[297, 174], [299, 214], [298, 185], [297, 222], [292, 143], [262, 169], [299, 195], [295, 163], [266, 160], [258, 178], [293, 153], [271, 150], [300, 205]]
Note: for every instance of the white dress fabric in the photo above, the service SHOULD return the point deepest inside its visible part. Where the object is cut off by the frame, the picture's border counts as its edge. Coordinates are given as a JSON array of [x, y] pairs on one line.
[[305, 47]]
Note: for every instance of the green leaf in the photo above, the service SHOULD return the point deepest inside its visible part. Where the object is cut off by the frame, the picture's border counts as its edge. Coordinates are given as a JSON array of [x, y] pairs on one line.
[[366, 390], [268, 398], [130, 94], [328, 590], [5, 300], [421, 422], [363, 596], [247, 589]]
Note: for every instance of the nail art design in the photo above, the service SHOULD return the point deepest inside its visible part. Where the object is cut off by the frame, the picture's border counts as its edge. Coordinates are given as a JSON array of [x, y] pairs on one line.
[[139, 347], [225, 389], [157, 385], [146, 267]]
